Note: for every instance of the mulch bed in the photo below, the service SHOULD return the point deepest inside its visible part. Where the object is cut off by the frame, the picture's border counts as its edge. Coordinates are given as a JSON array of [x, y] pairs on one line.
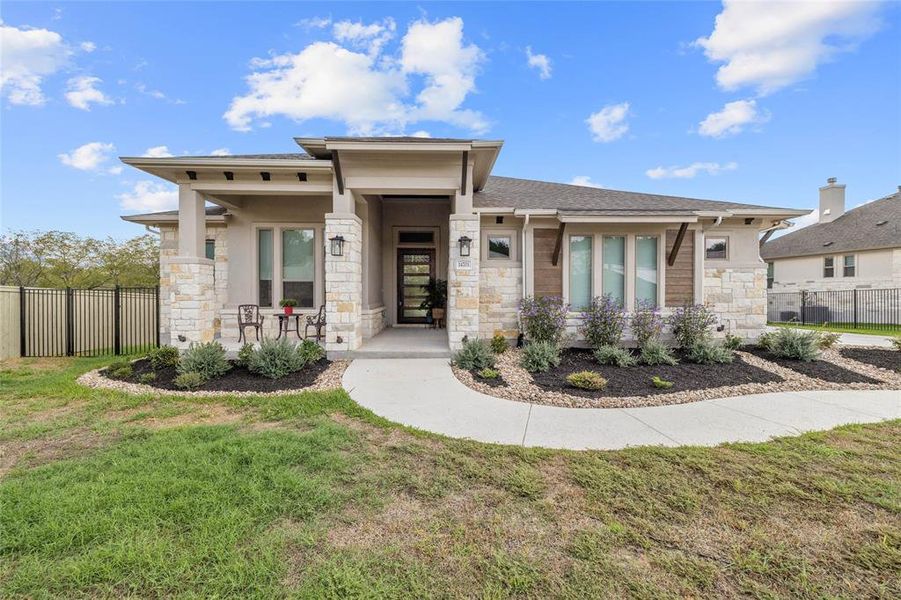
[[238, 379], [817, 369], [881, 358], [636, 381]]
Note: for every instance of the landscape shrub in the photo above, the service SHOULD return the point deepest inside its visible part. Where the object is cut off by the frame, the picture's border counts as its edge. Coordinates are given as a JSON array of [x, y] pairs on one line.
[[245, 354], [691, 325], [207, 359], [543, 319], [146, 378], [656, 353], [646, 323], [661, 384], [767, 340], [310, 352], [121, 369], [603, 322], [499, 344], [896, 342], [474, 355], [795, 344], [586, 380], [614, 355], [538, 357], [162, 357], [189, 380], [828, 339], [706, 353], [732, 341], [488, 373], [276, 358]]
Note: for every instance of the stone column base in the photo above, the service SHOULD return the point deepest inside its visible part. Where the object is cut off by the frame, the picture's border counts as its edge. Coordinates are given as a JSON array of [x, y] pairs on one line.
[[192, 309], [343, 285], [463, 281]]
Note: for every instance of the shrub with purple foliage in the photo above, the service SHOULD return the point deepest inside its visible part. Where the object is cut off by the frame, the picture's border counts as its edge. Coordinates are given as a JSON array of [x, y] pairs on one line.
[[603, 322], [691, 325], [647, 325], [543, 319]]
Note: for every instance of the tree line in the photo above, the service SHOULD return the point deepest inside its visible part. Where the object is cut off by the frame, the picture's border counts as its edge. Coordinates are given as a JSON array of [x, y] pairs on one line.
[[58, 259]]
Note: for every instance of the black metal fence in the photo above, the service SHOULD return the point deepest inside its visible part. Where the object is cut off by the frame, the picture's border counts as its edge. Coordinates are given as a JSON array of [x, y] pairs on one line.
[[88, 322], [858, 308]]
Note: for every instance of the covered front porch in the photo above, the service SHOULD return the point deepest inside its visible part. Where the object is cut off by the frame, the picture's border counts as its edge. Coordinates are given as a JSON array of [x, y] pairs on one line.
[[405, 342]]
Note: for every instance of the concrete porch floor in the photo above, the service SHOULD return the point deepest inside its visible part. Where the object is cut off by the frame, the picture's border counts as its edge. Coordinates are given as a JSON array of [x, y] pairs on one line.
[[404, 342]]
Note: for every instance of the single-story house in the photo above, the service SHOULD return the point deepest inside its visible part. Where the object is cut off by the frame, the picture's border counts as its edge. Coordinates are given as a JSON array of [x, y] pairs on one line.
[[359, 224], [857, 249]]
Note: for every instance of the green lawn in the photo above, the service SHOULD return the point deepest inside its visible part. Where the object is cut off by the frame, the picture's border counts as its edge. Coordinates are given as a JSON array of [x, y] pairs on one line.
[[311, 496], [880, 330]]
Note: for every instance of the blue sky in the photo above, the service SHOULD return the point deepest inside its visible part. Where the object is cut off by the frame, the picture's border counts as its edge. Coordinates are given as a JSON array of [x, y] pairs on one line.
[[743, 102]]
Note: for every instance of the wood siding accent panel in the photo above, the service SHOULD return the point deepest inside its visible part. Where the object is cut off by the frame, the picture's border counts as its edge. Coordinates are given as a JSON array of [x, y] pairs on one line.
[[548, 278], [680, 288]]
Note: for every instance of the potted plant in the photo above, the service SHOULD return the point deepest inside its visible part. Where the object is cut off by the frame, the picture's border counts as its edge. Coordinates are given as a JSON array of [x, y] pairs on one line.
[[288, 304], [436, 298]]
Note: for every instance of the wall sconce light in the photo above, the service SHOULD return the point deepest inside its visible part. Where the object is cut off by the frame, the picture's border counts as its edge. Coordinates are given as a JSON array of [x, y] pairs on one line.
[[465, 244], [337, 245]]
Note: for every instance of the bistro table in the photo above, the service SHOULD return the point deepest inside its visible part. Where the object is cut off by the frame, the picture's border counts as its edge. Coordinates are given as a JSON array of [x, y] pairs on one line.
[[284, 324]]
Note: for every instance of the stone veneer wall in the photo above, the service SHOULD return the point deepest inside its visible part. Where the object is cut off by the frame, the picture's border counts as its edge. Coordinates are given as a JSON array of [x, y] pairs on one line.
[[373, 321], [192, 304], [462, 284], [737, 295], [344, 285], [500, 290], [168, 252]]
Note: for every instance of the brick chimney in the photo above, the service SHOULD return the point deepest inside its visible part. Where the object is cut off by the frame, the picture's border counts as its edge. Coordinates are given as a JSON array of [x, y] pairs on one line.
[[832, 200]]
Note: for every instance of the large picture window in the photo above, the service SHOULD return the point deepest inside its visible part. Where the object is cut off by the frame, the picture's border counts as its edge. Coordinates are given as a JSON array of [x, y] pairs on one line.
[[646, 270], [613, 277], [579, 271], [298, 265], [264, 266]]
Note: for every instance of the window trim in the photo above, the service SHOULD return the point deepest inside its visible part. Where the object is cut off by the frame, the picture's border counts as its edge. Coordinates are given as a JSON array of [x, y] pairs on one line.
[[716, 237], [318, 263], [831, 267], [499, 231], [853, 266]]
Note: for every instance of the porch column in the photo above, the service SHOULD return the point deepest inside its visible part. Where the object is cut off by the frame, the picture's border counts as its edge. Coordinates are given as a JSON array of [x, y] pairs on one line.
[[463, 281], [191, 290], [343, 285]]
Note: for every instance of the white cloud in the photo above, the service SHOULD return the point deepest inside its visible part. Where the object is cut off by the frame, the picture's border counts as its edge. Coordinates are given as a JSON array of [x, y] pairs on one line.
[[689, 172], [769, 45], [732, 119], [609, 123], [88, 46], [82, 92], [540, 62], [90, 157], [314, 23], [807, 220], [220, 152], [157, 94], [27, 56], [150, 196], [584, 181], [157, 152], [422, 133], [325, 79], [371, 37]]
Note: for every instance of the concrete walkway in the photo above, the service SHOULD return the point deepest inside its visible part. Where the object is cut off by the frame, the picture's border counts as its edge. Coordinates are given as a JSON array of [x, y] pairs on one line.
[[425, 394]]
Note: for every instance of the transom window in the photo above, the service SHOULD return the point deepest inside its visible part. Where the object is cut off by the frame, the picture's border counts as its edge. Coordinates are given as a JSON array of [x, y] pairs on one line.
[[499, 247], [828, 267], [416, 237]]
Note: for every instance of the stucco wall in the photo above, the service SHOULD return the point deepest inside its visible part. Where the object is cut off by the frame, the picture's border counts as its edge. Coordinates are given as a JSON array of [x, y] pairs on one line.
[[875, 269]]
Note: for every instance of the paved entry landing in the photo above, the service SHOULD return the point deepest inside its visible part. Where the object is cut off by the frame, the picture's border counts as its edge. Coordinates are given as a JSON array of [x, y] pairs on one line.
[[405, 342]]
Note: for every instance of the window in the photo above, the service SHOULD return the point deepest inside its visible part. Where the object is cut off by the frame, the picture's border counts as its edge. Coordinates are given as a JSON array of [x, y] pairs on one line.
[[298, 265], [716, 248], [828, 267], [499, 247], [849, 265], [264, 266], [579, 271], [645, 270], [770, 271], [613, 277], [211, 249], [416, 237]]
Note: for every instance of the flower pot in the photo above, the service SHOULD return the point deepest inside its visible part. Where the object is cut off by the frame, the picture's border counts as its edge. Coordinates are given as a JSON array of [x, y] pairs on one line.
[[437, 313], [289, 310]]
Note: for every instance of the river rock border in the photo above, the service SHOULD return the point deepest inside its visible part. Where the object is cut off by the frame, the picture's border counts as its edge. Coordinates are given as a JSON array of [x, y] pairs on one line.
[[521, 388], [329, 379]]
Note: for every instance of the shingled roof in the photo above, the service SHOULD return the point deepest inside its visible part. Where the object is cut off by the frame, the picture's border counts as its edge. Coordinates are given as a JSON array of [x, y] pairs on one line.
[[872, 226], [509, 192]]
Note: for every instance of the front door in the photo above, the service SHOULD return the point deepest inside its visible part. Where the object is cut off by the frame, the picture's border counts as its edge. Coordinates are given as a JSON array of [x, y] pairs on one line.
[[414, 268]]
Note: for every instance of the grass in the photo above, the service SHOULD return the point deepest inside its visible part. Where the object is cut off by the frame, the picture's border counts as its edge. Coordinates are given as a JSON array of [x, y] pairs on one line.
[[311, 496], [880, 330]]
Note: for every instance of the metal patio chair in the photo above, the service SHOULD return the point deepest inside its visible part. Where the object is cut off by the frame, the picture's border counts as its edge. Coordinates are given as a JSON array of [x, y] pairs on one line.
[[249, 316], [317, 322]]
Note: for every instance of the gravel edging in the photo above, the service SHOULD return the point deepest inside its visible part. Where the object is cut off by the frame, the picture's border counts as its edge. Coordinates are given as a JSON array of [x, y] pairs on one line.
[[521, 388], [329, 379]]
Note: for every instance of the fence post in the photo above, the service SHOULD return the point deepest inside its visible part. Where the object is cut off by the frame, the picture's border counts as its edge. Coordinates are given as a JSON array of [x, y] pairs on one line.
[[70, 310], [157, 316], [23, 350], [117, 330], [855, 308], [804, 307]]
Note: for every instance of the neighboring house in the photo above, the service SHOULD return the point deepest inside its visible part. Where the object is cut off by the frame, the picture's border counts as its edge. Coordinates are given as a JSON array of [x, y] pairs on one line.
[[857, 249], [410, 208]]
